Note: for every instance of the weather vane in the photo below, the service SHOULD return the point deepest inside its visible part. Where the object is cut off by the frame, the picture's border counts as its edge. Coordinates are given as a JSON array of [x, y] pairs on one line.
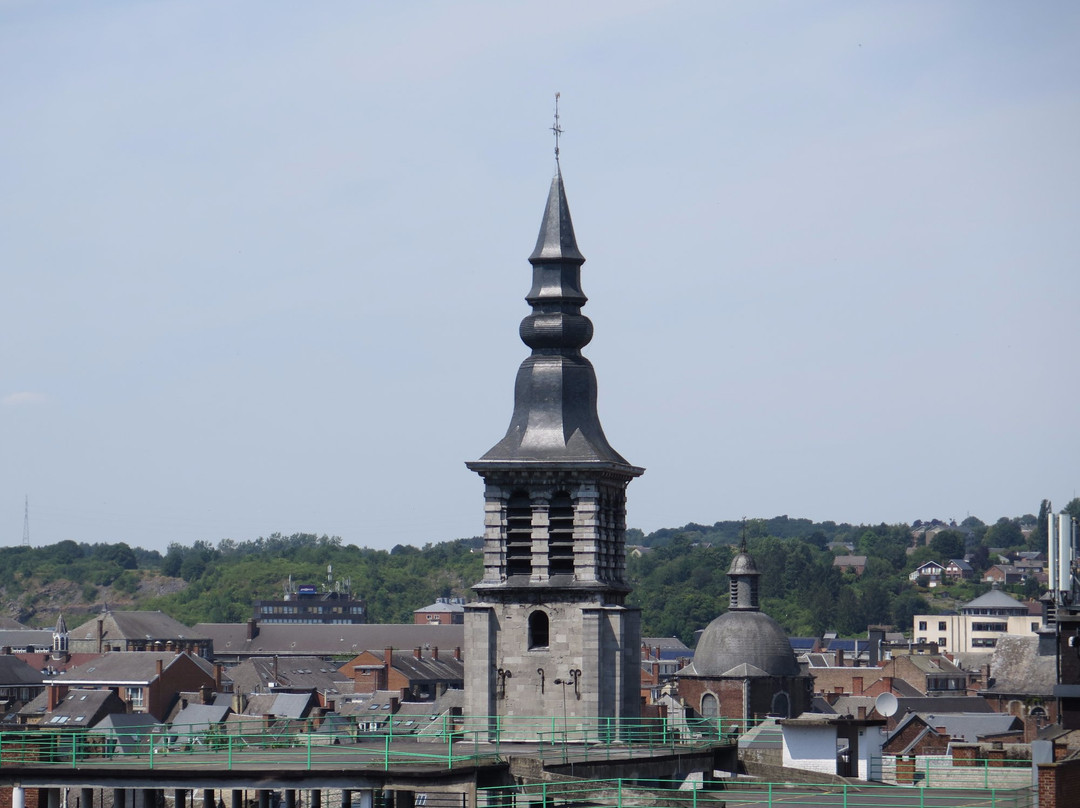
[[556, 128]]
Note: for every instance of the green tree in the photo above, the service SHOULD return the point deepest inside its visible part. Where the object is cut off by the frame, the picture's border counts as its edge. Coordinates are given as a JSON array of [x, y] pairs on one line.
[[905, 607], [1004, 532], [948, 544], [1073, 508]]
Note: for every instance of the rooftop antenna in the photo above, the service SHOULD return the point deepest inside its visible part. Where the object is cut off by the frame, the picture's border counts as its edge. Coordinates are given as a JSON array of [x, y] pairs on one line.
[[742, 535], [26, 511], [556, 128]]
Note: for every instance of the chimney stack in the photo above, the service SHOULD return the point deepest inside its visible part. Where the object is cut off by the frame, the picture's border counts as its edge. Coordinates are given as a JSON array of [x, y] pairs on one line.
[[416, 653], [435, 652], [457, 653]]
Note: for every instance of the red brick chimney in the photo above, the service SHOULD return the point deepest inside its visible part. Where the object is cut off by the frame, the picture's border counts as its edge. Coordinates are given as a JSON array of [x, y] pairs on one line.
[[861, 712], [457, 653], [55, 695], [856, 685], [416, 653], [886, 682], [435, 652]]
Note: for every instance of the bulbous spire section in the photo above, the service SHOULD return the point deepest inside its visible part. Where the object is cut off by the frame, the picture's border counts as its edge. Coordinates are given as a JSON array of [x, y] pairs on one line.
[[555, 416]]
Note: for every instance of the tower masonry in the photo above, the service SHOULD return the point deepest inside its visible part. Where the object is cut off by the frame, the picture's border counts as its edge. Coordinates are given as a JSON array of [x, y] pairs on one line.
[[549, 634]]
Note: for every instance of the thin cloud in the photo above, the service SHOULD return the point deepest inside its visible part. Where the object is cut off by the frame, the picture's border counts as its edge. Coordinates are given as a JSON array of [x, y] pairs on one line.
[[24, 399]]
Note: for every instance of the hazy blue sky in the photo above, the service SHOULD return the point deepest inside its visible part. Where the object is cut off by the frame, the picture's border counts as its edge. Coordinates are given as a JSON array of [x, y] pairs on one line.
[[263, 263]]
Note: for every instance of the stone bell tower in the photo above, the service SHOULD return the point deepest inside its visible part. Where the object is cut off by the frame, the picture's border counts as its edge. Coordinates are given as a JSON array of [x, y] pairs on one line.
[[549, 634]]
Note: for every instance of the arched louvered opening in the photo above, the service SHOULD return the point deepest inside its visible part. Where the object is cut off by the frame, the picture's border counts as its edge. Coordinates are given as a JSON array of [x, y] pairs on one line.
[[561, 535], [519, 534], [539, 630]]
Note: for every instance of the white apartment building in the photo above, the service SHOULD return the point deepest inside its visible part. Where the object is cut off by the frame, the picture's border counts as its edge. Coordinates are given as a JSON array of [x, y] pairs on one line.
[[979, 624]]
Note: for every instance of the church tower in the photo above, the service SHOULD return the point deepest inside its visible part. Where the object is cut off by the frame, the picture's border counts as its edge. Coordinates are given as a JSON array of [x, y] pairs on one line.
[[549, 634]]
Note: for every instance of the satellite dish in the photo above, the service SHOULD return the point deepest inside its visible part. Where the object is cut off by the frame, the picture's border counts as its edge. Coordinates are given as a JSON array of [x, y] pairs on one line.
[[886, 704]]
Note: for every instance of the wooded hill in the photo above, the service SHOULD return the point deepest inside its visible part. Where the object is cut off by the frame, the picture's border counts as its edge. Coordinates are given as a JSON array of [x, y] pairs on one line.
[[679, 578]]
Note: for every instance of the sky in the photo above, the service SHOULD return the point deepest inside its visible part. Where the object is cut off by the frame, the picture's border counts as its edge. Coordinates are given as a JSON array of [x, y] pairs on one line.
[[262, 264]]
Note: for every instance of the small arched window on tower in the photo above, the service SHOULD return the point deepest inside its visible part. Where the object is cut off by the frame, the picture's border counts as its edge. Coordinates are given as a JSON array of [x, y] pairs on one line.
[[519, 534], [561, 535], [539, 629], [781, 705], [710, 707]]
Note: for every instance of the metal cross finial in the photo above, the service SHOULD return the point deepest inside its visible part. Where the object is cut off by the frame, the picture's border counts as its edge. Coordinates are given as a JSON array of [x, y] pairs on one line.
[[556, 128]]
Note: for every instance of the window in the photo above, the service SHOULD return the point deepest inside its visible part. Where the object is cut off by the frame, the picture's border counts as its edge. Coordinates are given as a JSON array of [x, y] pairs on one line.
[[941, 642], [941, 625], [710, 707], [538, 630], [135, 697], [922, 625]]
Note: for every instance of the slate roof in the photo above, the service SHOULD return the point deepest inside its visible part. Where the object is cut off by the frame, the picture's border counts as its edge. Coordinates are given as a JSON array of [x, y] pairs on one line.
[[123, 667], [262, 674], [443, 669], [13, 671], [555, 417], [966, 727], [9, 623], [1017, 668], [289, 639], [670, 647], [36, 638], [443, 607], [130, 731], [82, 708], [738, 637], [135, 626], [196, 719], [994, 599], [281, 705], [932, 664]]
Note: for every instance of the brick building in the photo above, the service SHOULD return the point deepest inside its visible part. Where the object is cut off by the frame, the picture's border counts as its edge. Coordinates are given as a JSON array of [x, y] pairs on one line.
[[744, 666]]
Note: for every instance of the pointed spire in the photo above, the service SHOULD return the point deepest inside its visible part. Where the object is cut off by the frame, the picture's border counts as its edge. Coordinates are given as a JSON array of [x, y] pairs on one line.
[[556, 241]]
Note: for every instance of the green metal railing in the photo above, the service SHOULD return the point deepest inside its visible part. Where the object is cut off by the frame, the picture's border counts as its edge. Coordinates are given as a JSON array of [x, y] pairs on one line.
[[371, 739], [942, 771], [735, 793]]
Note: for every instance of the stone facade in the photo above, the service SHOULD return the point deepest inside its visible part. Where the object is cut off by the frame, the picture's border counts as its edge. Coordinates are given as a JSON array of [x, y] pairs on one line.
[[549, 635]]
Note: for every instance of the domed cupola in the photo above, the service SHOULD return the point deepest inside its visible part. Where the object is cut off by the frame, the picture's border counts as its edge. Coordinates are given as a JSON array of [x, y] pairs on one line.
[[743, 641]]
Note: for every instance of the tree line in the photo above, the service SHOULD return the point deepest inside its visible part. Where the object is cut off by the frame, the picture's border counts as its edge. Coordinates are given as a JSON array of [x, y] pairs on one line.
[[679, 579]]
